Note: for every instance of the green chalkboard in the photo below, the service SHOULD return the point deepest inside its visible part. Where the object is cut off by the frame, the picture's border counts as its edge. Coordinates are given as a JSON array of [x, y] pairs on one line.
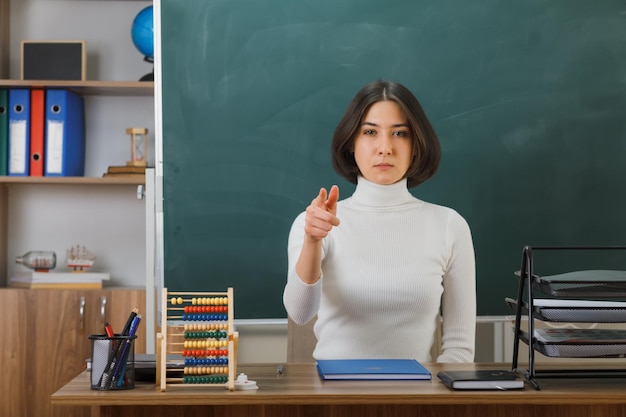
[[528, 97]]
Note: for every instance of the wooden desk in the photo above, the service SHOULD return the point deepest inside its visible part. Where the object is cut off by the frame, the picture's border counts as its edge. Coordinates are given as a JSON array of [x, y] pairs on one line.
[[300, 392]]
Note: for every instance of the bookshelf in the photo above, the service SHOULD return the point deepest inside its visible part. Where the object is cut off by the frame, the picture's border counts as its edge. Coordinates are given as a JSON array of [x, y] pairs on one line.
[[5, 36], [118, 89], [102, 213], [96, 88], [71, 180], [114, 101]]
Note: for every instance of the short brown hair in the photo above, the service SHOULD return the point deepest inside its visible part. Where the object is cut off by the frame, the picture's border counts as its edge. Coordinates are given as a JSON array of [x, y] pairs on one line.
[[426, 147]]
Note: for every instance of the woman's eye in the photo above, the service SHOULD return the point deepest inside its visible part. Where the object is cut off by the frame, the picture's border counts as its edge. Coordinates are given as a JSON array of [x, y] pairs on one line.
[[401, 133], [368, 132]]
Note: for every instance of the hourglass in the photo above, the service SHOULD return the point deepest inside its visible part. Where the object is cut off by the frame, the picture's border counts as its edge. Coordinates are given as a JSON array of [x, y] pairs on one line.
[[138, 146]]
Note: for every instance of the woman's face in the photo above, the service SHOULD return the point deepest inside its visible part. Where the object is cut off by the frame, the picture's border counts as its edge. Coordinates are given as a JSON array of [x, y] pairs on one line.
[[383, 148]]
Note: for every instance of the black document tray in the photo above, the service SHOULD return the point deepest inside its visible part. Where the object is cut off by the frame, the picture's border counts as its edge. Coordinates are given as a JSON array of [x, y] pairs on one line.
[[585, 343], [579, 311], [591, 283]]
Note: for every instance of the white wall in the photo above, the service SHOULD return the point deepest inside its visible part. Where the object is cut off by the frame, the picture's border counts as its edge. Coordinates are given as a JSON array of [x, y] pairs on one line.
[[260, 343], [109, 220]]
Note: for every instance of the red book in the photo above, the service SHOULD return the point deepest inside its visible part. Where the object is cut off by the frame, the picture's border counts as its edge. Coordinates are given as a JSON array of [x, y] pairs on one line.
[[37, 124]]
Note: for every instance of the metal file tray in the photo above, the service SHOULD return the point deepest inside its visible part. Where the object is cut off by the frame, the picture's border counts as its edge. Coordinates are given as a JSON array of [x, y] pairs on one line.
[[591, 283], [581, 311], [582, 296], [582, 351], [579, 343]]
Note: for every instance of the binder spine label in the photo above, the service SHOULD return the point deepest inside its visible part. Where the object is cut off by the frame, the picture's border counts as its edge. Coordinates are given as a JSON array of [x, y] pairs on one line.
[[54, 147], [18, 157]]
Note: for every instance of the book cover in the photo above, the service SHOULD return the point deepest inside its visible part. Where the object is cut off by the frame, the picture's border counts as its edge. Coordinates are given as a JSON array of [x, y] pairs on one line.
[[64, 153], [56, 285], [330, 369], [19, 132], [4, 130], [126, 169], [139, 177], [37, 136], [60, 277], [481, 380]]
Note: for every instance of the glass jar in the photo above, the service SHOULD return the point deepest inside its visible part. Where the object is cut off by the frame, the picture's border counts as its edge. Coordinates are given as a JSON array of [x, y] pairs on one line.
[[39, 260]]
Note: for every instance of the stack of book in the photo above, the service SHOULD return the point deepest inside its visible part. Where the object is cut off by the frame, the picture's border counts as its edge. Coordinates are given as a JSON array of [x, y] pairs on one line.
[[127, 171], [60, 280]]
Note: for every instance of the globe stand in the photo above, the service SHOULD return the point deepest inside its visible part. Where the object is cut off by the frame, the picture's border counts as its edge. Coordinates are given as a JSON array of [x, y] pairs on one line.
[[149, 76]]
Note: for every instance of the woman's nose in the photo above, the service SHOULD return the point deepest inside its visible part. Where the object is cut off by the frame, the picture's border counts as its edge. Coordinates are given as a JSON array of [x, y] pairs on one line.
[[384, 147]]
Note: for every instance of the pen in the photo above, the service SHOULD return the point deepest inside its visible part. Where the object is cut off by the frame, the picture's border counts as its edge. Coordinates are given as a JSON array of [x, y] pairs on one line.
[[129, 322], [108, 330], [106, 377], [120, 368]]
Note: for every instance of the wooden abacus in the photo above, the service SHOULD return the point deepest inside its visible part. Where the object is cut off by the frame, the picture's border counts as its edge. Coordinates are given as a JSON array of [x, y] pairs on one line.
[[207, 340]]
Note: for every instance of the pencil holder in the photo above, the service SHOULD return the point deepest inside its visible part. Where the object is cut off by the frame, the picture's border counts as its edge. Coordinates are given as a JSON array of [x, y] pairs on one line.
[[112, 362]]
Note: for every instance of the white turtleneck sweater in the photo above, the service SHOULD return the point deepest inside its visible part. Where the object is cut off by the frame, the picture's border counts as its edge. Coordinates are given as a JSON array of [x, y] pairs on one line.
[[387, 269]]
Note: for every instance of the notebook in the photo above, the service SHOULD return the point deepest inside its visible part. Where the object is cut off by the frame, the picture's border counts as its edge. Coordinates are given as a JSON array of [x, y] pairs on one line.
[[481, 380], [330, 369]]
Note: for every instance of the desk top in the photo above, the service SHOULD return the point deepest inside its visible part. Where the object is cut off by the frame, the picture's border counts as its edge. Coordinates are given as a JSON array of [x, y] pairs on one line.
[[300, 384]]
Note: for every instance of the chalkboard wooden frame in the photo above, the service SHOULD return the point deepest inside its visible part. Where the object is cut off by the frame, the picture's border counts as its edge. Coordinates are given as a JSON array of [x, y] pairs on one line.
[[528, 98]]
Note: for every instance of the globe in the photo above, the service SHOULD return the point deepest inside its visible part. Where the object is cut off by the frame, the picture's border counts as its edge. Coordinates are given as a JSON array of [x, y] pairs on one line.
[[142, 32]]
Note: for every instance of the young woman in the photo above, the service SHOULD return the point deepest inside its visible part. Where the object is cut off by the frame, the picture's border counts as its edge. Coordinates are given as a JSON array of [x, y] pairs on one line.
[[380, 267]]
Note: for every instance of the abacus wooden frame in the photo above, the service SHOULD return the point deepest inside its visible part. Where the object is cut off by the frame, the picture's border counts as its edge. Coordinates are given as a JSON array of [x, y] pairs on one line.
[[163, 346]]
